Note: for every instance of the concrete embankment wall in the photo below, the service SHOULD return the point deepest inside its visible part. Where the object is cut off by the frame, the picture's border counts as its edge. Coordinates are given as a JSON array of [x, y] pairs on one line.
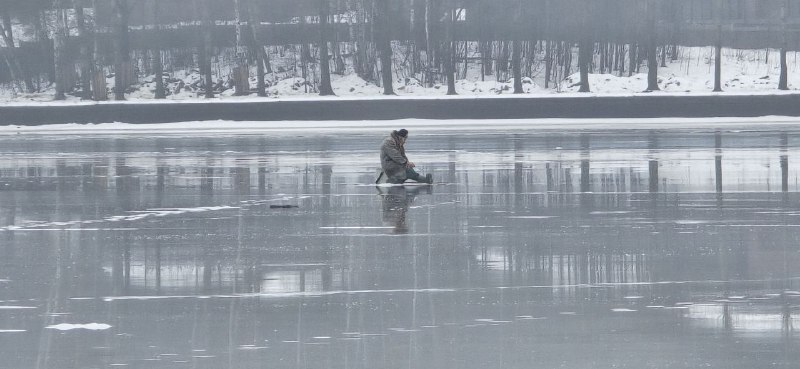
[[649, 106]]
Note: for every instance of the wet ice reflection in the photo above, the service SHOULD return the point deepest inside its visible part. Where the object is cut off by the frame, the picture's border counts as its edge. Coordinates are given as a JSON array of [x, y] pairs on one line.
[[575, 250]]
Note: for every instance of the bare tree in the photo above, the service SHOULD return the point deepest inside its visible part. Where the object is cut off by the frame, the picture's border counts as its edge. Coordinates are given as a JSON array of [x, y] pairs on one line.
[[652, 48], [325, 88], [652, 68], [99, 88], [429, 51], [60, 38], [262, 62], [548, 62], [516, 51], [633, 58], [206, 48], [122, 59], [783, 81], [241, 73], [85, 55], [450, 48], [413, 51], [384, 41], [718, 67], [585, 49], [718, 49], [158, 66], [11, 58], [585, 44]]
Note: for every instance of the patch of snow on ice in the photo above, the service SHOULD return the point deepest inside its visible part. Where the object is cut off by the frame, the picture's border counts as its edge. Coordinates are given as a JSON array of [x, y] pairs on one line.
[[89, 326]]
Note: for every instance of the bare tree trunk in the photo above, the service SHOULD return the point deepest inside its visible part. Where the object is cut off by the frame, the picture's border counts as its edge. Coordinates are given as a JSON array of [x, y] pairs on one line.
[[10, 56], [241, 75], [652, 48], [584, 60], [86, 57], [206, 49], [42, 37], [450, 58], [603, 57], [413, 51], [530, 55], [548, 63], [633, 58], [158, 66], [486, 56], [122, 56], [502, 60], [262, 61], [718, 49], [652, 68], [718, 68], [325, 88], [158, 71], [567, 59], [261, 85], [383, 38], [783, 83], [466, 58], [515, 61], [356, 28], [428, 49], [338, 61], [305, 56], [59, 45], [99, 88]]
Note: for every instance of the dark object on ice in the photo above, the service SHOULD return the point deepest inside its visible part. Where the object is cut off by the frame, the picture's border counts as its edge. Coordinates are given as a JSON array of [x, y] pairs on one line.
[[283, 206], [402, 133]]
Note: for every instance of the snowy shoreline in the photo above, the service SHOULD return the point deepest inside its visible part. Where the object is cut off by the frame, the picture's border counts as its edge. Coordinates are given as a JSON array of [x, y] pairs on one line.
[[416, 125], [316, 98]]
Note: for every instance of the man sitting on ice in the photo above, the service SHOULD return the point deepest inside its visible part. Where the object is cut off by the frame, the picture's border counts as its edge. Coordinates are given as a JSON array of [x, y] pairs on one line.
[[396, 166]]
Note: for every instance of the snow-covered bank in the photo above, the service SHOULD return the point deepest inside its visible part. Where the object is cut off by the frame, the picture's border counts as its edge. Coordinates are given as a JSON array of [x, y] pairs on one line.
[[415, 125], [743, 72], [312, 98]]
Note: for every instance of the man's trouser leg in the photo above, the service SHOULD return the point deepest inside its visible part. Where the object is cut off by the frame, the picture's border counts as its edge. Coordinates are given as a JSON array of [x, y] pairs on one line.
[[413, 175]]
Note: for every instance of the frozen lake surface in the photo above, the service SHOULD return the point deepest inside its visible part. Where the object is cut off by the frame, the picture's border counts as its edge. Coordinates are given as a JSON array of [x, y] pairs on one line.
[[578, 248]]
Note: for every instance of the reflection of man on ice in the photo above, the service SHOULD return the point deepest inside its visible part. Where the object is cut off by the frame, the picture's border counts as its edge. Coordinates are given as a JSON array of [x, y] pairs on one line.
[[396, 201], [395, 206], [396, 166]]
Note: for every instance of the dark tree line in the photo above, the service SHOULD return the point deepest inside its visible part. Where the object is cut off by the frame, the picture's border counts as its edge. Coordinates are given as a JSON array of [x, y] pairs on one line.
[[78, 44]]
